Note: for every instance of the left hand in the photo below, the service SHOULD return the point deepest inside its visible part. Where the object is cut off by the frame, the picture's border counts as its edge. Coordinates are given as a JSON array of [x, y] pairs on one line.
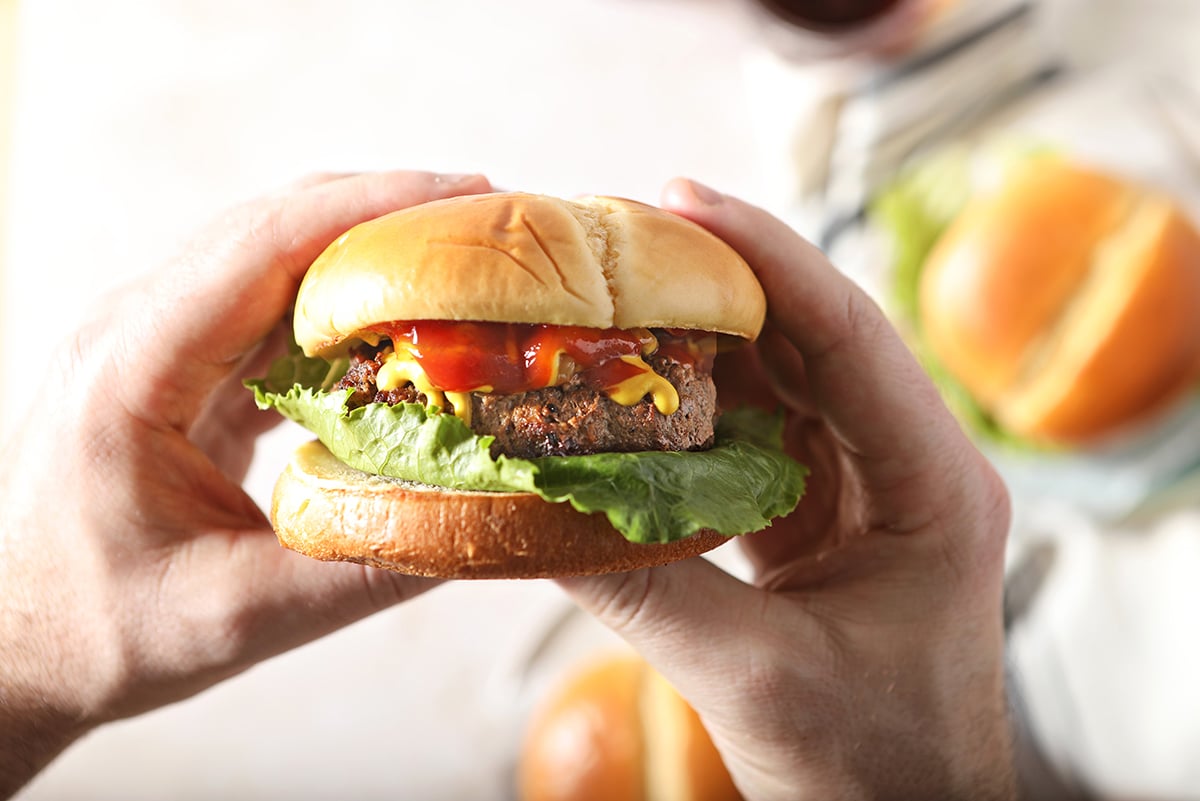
[[134, 569]]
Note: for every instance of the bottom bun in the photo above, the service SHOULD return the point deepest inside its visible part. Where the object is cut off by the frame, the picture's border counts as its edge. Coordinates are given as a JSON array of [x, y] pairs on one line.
[[327, 510]]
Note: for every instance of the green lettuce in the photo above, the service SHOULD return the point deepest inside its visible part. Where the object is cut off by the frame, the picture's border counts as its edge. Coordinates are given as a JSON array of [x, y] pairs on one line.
[[735, 487]]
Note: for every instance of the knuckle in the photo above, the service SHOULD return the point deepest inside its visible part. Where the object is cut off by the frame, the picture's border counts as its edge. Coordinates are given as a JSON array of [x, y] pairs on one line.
[[997, 511], [854, 318], [627, 604]]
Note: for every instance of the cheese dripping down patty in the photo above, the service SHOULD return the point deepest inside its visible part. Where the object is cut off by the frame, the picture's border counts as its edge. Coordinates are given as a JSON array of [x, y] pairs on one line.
[[400, 367]]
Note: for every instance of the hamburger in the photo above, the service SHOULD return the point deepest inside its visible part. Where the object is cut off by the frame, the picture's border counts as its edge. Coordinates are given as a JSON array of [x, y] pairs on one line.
[[1060, 309], [512, 385]]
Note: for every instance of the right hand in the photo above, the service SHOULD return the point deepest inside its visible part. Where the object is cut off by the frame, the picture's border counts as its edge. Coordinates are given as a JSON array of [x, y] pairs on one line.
[[864, 660]]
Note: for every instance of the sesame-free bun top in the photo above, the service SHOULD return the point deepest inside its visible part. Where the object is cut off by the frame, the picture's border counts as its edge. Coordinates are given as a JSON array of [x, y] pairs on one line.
[[598, 262], [1067, 302]]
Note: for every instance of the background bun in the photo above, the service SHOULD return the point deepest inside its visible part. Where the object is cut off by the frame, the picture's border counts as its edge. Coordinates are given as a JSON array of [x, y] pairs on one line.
[[1067, 302], [511, 257], [615, 729], [327, 510]]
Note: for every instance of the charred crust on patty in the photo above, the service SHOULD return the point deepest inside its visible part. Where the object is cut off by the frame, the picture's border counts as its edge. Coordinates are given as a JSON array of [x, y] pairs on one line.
[[574, 419]]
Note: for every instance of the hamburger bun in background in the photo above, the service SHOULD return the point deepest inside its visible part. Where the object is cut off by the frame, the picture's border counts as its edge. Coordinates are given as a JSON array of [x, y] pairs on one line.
[[1066, 302], [1044, 268], [512, 385], [611, 727]]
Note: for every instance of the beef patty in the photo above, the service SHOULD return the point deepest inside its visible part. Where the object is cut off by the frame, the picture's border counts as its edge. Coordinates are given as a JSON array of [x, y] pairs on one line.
[[568, 420]]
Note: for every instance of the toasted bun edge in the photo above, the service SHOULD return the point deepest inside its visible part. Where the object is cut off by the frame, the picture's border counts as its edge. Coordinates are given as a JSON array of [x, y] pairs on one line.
[[327, 510]]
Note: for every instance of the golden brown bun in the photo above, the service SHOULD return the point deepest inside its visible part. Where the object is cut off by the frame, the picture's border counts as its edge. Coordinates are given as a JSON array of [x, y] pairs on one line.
[[517, 258], [615, 729], [1067, 303], [327, 510]]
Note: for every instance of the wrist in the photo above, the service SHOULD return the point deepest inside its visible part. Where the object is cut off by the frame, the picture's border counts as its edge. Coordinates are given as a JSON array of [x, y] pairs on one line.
[[37, 722], [32, 733], [957, 747], [49, 655]]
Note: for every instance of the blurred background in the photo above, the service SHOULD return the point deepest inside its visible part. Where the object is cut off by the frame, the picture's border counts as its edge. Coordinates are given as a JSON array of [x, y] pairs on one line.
[[125, 126]]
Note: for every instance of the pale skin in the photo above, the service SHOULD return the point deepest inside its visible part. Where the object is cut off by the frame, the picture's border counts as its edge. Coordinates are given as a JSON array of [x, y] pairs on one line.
[[863, 662]]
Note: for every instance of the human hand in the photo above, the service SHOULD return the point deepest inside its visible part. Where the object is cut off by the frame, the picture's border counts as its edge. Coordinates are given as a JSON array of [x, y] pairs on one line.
[[865, 658], [134, 570]]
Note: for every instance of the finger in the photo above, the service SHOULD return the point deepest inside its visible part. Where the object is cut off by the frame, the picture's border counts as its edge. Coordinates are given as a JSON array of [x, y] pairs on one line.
[[798, 550], [294, 599], [689, 619], [313, 179], [673, 615], [197, 319], [862, 378], [767, 374], [249, 599], [229, 423], [268, 598], [785, 371]]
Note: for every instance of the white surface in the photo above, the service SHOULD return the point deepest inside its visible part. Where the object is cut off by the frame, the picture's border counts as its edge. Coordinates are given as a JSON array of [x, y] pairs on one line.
[[138, 121]]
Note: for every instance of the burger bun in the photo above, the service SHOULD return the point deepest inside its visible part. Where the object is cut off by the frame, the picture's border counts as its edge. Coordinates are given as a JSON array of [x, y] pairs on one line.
[[598, 262], [327, 510]]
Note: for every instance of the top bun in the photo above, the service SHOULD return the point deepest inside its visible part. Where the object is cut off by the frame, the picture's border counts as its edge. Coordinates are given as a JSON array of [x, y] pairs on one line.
[[599, 262], [1067, 302]]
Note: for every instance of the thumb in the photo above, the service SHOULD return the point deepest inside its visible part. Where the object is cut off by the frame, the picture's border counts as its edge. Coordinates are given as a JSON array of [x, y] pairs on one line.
[[683, 618], [192, 323]]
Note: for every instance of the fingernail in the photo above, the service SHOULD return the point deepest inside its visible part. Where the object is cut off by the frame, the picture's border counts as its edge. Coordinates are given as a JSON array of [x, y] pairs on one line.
[[454, 179], [705, 194]]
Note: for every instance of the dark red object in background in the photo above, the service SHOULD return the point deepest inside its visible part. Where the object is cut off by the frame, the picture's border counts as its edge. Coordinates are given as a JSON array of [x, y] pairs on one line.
[[828, 14]]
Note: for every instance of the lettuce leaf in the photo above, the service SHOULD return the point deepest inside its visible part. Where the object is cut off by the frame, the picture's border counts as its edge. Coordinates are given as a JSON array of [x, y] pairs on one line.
[[735, 487]]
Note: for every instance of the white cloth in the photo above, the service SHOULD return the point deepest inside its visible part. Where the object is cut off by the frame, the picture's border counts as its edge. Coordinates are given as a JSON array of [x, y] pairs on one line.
[[1107, 657]]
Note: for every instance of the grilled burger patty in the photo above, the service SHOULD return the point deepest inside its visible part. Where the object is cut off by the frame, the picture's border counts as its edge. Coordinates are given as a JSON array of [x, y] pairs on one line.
[[568, 420]]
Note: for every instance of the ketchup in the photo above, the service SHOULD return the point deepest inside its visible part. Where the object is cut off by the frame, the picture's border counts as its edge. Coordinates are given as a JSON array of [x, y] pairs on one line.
[[610, 373], [675, 344], [510, 357]]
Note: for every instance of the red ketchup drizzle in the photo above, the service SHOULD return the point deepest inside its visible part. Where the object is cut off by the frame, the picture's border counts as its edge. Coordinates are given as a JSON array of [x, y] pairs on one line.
[[676, 344], [611, 373], [513, 357]]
